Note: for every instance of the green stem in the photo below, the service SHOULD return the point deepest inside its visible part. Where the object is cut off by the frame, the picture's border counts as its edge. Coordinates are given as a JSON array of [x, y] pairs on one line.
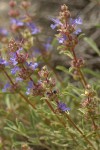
[[79, 70], [25, 98], [50, 106], [69, 119], [63, 123], [42, 51]]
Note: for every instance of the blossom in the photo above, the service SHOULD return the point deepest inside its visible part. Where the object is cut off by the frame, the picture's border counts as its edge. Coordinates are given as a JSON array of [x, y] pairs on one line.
[[20, 49], [76, 21], [29, 87], [62, 106], [19, 79], [78, 31], [32, 65], [3, 32], [13, 59], [62, 39], [15, 69], [3, 62], [6, 86], [57, 22], [33, 28], [17, 22], [47, 45]]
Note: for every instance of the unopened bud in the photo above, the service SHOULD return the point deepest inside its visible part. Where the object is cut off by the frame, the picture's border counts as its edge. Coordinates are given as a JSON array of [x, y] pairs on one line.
[[25, 147], [12, 3], [13, 13], [86, 92], [88, 86], [25, 4], [64, 7]]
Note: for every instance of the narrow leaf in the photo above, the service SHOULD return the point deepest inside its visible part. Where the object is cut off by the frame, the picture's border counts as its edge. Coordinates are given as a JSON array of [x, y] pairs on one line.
[[92, 44]]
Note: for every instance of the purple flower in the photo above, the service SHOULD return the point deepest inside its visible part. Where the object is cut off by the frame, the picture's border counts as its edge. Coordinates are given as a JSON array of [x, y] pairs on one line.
[[33, 28], [62, 106], [3, 32], [17, 22], [13, 59], [62, 39], [6, 86], [3, 62], [78, 31], [32, 66], [20, 49], [15, 69], [47, 45], [36, 50], [75, 21], [29, 87], [19, 79], [57, 22], [78, 21]]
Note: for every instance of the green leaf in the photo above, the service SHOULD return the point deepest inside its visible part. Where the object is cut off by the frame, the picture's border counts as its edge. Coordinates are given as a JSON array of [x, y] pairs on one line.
[[64, 69], [98, 25], [81, 36], [83, 111], [69, 54], [96, 74], [61, 47], [68, 93], [92, 44], [71, 69], [44, 98], [54, 42], [21, 127]]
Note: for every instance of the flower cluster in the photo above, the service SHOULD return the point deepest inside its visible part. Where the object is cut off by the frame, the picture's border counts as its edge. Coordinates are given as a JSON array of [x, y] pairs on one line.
[[67, 36], [62, 107], [21, 22], [67, 28], [24, 68]]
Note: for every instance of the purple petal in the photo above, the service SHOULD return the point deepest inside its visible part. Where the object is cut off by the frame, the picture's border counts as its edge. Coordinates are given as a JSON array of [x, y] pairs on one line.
[[78, 21], [17, 22], [31, 65], [53, 26], [62, 106], [78, 31], [62, 39], [56, 21], [19, 79], [33, 28], [3, 32], [29, 87], [3, 62], [15, 69], [6, 86], [75, 21]]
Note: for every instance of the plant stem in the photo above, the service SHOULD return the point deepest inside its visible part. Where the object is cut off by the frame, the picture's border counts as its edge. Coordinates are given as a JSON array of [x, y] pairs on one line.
[[8, 77], [42, 51], [70, 120], [79, 70], [25, 98], [50, 106], [63, 123]]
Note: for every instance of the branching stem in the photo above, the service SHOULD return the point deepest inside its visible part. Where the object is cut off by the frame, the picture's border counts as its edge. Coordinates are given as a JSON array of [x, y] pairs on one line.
[[25, 98]]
